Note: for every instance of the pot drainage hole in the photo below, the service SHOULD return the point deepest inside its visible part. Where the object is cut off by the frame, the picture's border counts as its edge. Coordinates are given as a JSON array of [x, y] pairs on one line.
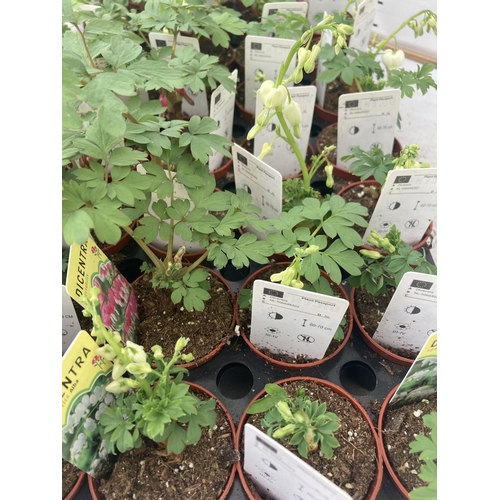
[[358, 378], [234, 380]]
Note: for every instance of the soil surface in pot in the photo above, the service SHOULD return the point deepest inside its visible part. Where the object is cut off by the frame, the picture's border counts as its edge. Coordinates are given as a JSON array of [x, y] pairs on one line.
[[205, 329], [333, 91], [245, 317], [399, 428], [201, 471], [207, 47], [353, 466], [370, 311], [70, 474]]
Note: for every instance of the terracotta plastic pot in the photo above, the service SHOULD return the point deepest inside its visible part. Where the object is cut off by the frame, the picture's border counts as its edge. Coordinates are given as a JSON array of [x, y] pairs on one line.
[[76, 487], [372, 182], [337, 170], [201, 361], [223, 169], [93, 486], [283, 364], [377, 482], [374, 345], [387, 463]]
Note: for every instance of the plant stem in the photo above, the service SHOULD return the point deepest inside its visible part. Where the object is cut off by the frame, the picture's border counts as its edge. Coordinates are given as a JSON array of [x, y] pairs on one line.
[[193, 265], [156, 261]]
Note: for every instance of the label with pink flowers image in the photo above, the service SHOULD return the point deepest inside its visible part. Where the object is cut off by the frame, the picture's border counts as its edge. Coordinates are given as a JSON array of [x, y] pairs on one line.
[[88, 266]]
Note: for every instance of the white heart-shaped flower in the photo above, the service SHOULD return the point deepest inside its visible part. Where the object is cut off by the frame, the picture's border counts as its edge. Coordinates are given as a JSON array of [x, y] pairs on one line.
[[393, 59]]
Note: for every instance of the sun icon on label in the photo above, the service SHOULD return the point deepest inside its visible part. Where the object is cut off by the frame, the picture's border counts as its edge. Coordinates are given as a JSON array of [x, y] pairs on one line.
[[412, 310]]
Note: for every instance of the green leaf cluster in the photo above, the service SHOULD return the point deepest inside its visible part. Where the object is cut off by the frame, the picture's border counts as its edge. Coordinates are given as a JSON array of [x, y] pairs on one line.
[[301, 422], [288, 25], [427, 447], [379, 272]]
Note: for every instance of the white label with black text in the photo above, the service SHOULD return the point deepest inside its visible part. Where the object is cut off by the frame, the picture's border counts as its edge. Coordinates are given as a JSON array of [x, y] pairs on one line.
[[281, 474], [295, 322], [408, 199], [411, 316], [363, 25]]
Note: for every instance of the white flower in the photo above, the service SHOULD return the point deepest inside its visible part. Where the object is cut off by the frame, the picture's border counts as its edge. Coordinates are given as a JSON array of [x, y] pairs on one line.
[[393, 59], [90, 424], [135, 352]]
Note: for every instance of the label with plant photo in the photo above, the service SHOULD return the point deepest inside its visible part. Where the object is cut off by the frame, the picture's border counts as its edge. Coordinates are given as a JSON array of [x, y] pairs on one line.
[[363, 25], [287, 320], [222, 111], [408, 199], [366, 119], [89, 267], [85, 376], [281, 474], [261, 181], [70, 323], [263, 58], [421, 379], [200, 99], [411, 317], [282, 157]]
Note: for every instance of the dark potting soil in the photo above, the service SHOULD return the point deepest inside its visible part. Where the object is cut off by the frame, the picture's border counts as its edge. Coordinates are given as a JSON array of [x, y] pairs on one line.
[[333, 91], [353, 466], [207, 47], [201, 471], [245, 320], [70, 474], [399, 428], [162, 323]]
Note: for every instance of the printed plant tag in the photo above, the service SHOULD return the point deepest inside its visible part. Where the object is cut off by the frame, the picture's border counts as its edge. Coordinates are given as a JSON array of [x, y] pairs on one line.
[[320, 6], [200, 106], [363, 25], [271, 8], [259, 180], [88, 266], [321, 86], [264, 55], [408, 199], [421, 379], [283, 158], [291, 321], [281, 474], [70, 323], [366, 119], [85, 376], [411, 316], [222, 111]]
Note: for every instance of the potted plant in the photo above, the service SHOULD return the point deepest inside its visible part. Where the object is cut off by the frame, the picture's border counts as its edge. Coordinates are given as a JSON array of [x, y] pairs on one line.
[[176, 149], [165, 417], [324, 426], [374, 287], [361, 71], [372, 169]]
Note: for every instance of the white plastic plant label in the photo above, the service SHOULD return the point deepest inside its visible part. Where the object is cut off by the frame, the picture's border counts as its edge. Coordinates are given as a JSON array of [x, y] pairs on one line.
[[222, 111], [408, 199], [281, 474], [321, 86], [411, 317], [291, 321], [318, 6], [283, 157], [70, 323], [421, 379], [200, 99], [363, 25], [264, 55], [259, 180], [366, 119], [271, 8]]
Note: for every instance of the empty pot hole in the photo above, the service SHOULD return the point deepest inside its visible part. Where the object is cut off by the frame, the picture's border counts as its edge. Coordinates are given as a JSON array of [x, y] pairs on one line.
[[234, 380], [358, 378]]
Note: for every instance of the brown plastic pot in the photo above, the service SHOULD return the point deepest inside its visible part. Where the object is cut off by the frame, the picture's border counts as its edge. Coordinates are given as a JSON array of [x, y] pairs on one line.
[[368, 339], [76, 487], [93, 487], [387, 463], [372, 182], [205, 359], [377, 482], [283, 364], [338, 171]]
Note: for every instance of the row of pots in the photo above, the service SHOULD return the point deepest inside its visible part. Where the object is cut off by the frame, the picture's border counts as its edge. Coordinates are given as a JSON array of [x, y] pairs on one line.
[[237, 434]]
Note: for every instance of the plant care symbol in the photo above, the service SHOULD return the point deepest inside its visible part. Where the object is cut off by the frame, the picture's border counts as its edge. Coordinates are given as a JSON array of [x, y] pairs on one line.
[[430, 332], [411, 223], [275, 315], [412, 310], [377, 145], [272, 330], [354, 130], [394, 206], [306, 338], [403, 327], [385, 225]]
